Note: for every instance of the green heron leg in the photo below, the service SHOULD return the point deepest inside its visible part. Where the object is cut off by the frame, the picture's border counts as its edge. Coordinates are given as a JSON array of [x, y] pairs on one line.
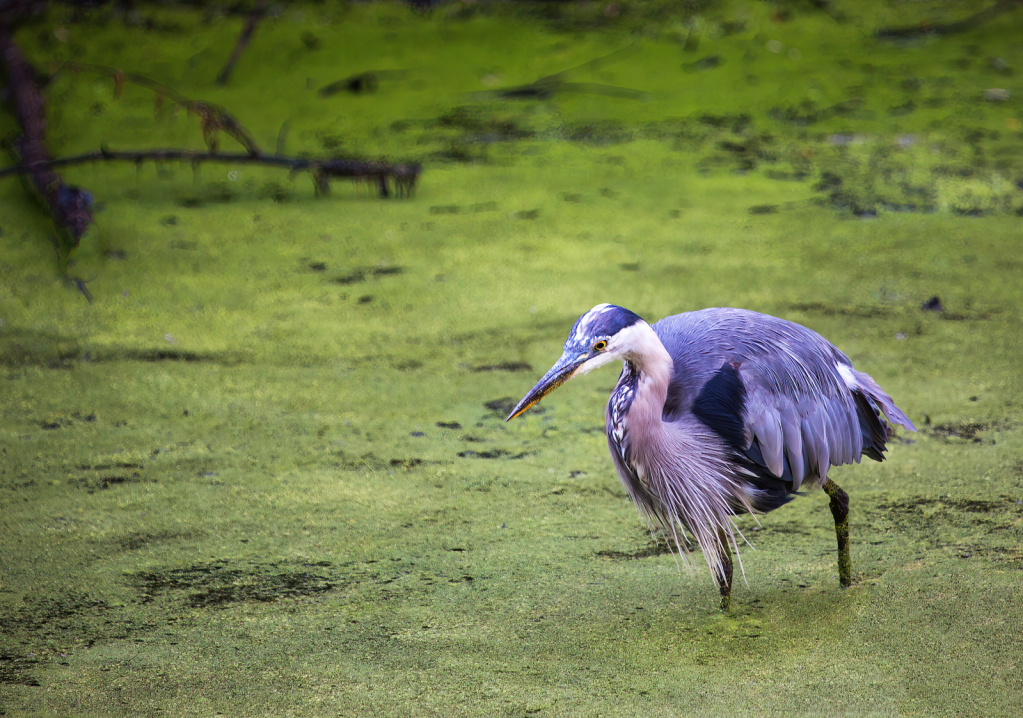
[[840, 510], [725, 577]]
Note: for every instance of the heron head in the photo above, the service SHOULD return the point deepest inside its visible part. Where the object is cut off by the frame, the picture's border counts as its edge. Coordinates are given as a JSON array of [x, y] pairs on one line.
[[598, 337]]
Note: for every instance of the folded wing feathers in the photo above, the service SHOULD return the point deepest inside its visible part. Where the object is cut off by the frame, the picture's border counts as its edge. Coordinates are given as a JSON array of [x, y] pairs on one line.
[[818, 439], [769, 434], [840, 411], [810, 447], [792, 434], [812, 423]]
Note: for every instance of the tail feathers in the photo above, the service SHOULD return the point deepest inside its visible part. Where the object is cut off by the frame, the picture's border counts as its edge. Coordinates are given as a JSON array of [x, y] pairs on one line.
[[874, 427], [875, 392]]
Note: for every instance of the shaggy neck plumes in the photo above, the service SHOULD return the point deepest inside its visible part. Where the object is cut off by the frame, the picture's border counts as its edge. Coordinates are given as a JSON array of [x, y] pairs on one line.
[[697, 495]]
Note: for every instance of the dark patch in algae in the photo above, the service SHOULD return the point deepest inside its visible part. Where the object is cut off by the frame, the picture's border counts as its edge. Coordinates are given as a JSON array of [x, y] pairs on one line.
[[654, 548], [407, 464], [491, 454], [967, 431], [370, 462], [969, 528], [219, 584], [140, 539], [503, 406], [865, 312], [51, 424], [505, 366], [66, 620], [31, 347], [14, 671], [917, 506], [94, 483], [108, 467], [360, 275]]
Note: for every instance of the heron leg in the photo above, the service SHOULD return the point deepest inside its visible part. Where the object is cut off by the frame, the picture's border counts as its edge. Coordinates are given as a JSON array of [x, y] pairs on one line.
[[840, 510], [725, 577]]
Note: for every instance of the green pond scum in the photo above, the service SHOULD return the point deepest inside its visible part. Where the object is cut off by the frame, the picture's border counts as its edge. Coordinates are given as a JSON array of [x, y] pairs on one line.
[[265, 472]]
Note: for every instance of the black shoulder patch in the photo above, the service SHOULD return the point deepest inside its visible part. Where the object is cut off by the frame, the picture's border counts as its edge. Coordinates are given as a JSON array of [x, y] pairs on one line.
[[721, 403]]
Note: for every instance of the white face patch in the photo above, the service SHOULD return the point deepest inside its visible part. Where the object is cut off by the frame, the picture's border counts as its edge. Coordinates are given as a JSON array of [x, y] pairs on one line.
[[634, 340], [595, 363]]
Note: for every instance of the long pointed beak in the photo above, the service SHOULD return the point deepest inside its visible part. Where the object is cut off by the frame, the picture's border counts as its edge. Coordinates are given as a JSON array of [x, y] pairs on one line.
[[558, 374]]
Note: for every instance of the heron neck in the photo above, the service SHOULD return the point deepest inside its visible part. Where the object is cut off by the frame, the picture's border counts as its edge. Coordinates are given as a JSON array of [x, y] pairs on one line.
[[653, 368]]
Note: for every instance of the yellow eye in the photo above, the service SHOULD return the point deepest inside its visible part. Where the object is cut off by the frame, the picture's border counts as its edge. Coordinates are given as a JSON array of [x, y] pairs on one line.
[[600, 346]]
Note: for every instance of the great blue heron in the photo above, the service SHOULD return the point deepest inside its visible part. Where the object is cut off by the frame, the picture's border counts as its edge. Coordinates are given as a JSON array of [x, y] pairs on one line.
[[721, 412]]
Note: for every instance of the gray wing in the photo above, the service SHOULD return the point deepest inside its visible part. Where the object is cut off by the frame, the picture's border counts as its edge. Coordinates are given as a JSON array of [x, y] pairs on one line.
[[779, 393]]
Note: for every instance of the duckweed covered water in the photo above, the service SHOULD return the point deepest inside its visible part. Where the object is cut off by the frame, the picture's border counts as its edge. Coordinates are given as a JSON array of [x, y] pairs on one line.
[[265, 471]]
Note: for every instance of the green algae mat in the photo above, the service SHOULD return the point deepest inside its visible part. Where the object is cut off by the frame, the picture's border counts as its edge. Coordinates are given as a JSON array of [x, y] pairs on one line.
[[252, 451]]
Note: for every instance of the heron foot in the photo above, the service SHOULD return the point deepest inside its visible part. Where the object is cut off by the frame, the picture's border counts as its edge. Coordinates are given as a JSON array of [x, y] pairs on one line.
[[840, 510]]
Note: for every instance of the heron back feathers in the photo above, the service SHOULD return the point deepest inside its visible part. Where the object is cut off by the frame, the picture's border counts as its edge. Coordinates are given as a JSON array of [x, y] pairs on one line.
[[801, 406]]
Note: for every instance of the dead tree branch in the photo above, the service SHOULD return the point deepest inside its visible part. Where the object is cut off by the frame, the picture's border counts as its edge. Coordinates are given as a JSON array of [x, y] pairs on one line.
[[70, 207], [402, 176]]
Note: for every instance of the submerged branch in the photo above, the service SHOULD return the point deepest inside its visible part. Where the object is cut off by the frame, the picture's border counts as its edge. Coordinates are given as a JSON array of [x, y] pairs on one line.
[[979, 18], [404, 176]]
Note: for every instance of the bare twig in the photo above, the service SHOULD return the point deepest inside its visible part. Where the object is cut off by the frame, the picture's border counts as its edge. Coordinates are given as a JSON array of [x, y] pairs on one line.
[[258, 11], [212, 118]]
